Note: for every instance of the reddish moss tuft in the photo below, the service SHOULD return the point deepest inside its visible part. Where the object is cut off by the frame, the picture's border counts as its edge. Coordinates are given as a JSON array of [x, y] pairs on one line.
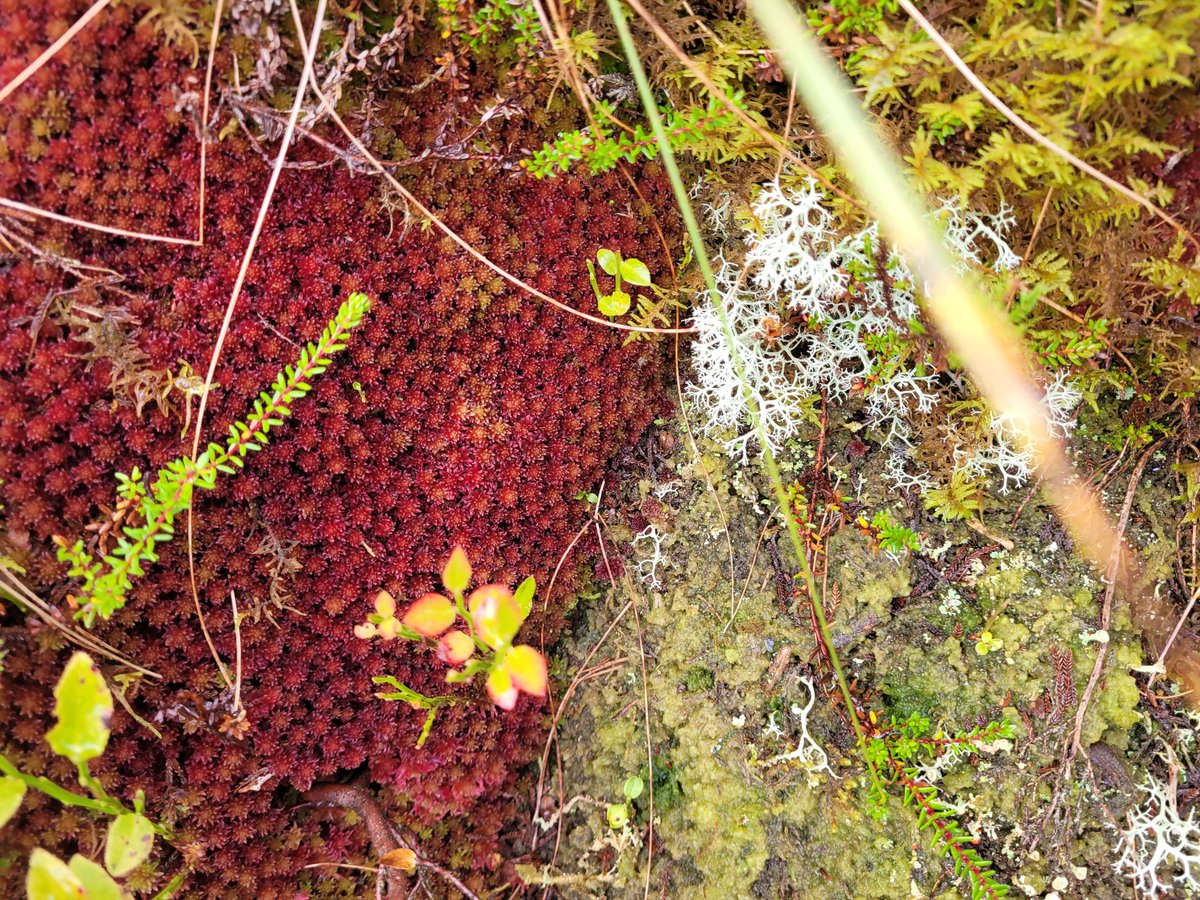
[[482, 413]]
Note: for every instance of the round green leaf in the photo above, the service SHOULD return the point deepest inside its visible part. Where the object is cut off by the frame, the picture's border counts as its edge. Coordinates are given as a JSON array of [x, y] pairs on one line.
[[83, 705], [50, 879], [635, 272], [130, 840], [11, 792], [610, 262], [618, 816], [98, 883], [633, 787], [615, 304]]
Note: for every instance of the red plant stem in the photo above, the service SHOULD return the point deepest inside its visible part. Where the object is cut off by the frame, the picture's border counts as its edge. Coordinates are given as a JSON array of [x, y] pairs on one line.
[[935, 817]]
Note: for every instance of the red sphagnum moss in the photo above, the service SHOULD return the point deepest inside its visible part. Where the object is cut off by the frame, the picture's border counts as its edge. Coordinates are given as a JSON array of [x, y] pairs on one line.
[[463, 412]]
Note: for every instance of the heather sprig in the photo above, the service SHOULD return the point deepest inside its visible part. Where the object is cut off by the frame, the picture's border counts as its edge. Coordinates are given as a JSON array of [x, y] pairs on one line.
[[107, 580], [909, 757]]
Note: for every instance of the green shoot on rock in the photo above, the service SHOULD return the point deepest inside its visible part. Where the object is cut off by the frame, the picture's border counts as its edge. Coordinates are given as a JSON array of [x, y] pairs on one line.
[[83, 706], [106, 581], [492, 615], [894, 540]]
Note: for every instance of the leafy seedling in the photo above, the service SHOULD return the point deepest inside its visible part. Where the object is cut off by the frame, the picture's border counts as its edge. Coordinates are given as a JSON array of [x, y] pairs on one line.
[[632, 271]]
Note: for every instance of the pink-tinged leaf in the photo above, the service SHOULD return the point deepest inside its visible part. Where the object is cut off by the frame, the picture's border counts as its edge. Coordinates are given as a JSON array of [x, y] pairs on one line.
[[501, 689], [457, 574], [527, 669], [431, 615], [385, 604], [495, 614], [365, 630], [455, 648]]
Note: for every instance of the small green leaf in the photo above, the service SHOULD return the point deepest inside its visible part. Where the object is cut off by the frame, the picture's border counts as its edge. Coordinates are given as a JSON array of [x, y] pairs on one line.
[[83, 706], [98, 883], [11, 792], [50, 879], [618, 816], [456, 576], [130, 840], [615, 304], [633, 787], [524, 596], [609, 261], [635, 272]]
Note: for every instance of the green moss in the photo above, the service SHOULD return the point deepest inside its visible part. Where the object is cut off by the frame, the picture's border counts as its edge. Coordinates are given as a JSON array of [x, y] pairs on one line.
[[699, 679]]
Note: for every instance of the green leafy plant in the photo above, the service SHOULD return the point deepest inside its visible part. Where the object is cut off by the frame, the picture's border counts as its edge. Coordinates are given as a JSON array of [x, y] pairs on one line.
[[701, 131], [903, 751], [492, 614], [961, 499], [491, 20], [106, 581], [849, 17], [631, 270], [620, 814], [895, 540], [83, 705], [415, 699]]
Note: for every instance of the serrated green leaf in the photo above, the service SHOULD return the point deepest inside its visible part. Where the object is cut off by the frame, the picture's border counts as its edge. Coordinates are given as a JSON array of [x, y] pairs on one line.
[[130, 840], [83, 706], [11, 792], [98, 883]]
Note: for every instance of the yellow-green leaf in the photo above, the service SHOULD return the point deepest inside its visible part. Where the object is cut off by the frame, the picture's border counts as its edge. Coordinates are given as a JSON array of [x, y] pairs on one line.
[[615, 304], [524, 597], [635, 272], [457, 574], [96, 882], [11, 792], [83, 706], [130, 840], [431, 615], [609, 261], [527, 669], [50, 879]]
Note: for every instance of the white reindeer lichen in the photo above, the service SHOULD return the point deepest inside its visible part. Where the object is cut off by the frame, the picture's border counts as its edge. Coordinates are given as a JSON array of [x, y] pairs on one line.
[[854, 298], [1158, 845]]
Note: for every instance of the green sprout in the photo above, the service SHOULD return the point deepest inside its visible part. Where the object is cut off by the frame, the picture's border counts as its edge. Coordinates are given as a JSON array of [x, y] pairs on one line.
[[630, 270]]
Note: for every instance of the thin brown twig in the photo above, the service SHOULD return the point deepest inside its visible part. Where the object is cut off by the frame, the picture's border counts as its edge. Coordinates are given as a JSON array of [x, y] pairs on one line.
[[739, 113], [633, 598], [310, 49], [65, 38], [1114, 566], [208, 73], [326, 107], [93, 226], [11, 584]]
